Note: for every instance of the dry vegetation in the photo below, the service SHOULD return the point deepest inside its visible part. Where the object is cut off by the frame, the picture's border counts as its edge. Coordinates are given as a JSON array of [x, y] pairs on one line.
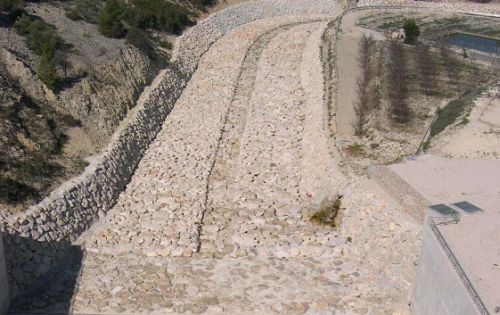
[[32, 138], [41, 144], [328, 213], [365, 102], [417, 82]]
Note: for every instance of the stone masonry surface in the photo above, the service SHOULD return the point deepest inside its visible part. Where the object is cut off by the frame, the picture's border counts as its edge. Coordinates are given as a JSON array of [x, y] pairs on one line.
[[227, 186], [37, 239], [460, 7], [258, 252], [192, 45]]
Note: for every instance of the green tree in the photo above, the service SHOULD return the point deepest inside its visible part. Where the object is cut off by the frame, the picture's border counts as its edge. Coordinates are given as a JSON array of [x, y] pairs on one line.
[[159, 15], [412, 31], [47, 67], [110, 19], [9, 5], [37, 34]]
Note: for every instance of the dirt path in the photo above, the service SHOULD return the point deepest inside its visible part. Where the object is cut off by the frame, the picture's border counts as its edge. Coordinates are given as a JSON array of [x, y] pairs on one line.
[[349, 71]]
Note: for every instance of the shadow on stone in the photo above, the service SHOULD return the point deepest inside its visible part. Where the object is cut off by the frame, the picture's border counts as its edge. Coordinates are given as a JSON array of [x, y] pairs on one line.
[[42, 275]]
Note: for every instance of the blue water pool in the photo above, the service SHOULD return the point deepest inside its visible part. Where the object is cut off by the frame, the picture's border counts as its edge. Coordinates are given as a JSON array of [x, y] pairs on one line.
[[479, 43]]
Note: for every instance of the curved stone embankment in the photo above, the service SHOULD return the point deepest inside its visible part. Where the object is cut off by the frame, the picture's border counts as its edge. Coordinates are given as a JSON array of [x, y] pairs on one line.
[[192, 45], [265, 184], [258, 252], [162, 210], [323, 176], [38, 238], [458, 7]]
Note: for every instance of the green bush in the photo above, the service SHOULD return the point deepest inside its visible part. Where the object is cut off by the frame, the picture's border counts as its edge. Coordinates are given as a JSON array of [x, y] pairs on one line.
[[453, 110], [164, 44], [110, 19], [47, 67], [158, 15], [88, 10], [328, 213], [37, 34], [412, 31], [9, 5], [44, 41]]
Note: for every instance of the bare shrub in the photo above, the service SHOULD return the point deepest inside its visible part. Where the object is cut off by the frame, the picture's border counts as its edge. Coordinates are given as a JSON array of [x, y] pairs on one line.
[[427, 67], [449, 60], [362, 105], [398, 83], [327, 215]]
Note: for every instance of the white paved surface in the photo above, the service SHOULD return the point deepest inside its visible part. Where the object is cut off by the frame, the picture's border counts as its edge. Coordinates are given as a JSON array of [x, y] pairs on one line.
[[475, 239]]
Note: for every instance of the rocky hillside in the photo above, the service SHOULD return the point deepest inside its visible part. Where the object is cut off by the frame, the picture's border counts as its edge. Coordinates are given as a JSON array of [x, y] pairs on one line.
[[32, 137], [66, 83]]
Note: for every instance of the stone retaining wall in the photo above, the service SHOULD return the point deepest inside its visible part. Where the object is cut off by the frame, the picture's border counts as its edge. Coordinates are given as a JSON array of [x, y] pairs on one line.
[[194, 43], [459, 7], [37, 240]]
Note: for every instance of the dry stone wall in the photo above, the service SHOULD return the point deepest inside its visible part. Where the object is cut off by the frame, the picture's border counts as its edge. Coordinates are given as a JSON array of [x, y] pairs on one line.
[[460, 7], [192, 45], [37, 240]]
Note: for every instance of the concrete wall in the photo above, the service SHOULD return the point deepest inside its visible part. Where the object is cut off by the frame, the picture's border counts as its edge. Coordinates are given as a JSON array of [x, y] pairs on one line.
[[438, 288], [4, 286]]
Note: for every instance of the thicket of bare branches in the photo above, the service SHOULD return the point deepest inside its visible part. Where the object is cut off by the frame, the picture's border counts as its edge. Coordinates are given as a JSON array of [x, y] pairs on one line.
[[449, 60], [427, 67], [398, 83], [365, 52]]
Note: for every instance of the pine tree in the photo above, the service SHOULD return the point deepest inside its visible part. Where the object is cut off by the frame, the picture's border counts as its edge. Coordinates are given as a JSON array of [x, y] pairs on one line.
[[110, 19], [47, 67], [412, 31]]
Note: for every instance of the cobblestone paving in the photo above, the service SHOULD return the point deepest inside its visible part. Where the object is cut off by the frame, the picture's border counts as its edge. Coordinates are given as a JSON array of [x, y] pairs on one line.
[[369, 270], [215, 219]]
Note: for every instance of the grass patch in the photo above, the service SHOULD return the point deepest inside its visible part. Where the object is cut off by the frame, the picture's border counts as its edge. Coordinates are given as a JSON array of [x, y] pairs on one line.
[[328, 213], [356, 150], [451, 112]]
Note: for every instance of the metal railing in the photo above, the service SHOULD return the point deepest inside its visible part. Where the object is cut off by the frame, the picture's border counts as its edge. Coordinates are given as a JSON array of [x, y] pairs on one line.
[[454, 219]]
